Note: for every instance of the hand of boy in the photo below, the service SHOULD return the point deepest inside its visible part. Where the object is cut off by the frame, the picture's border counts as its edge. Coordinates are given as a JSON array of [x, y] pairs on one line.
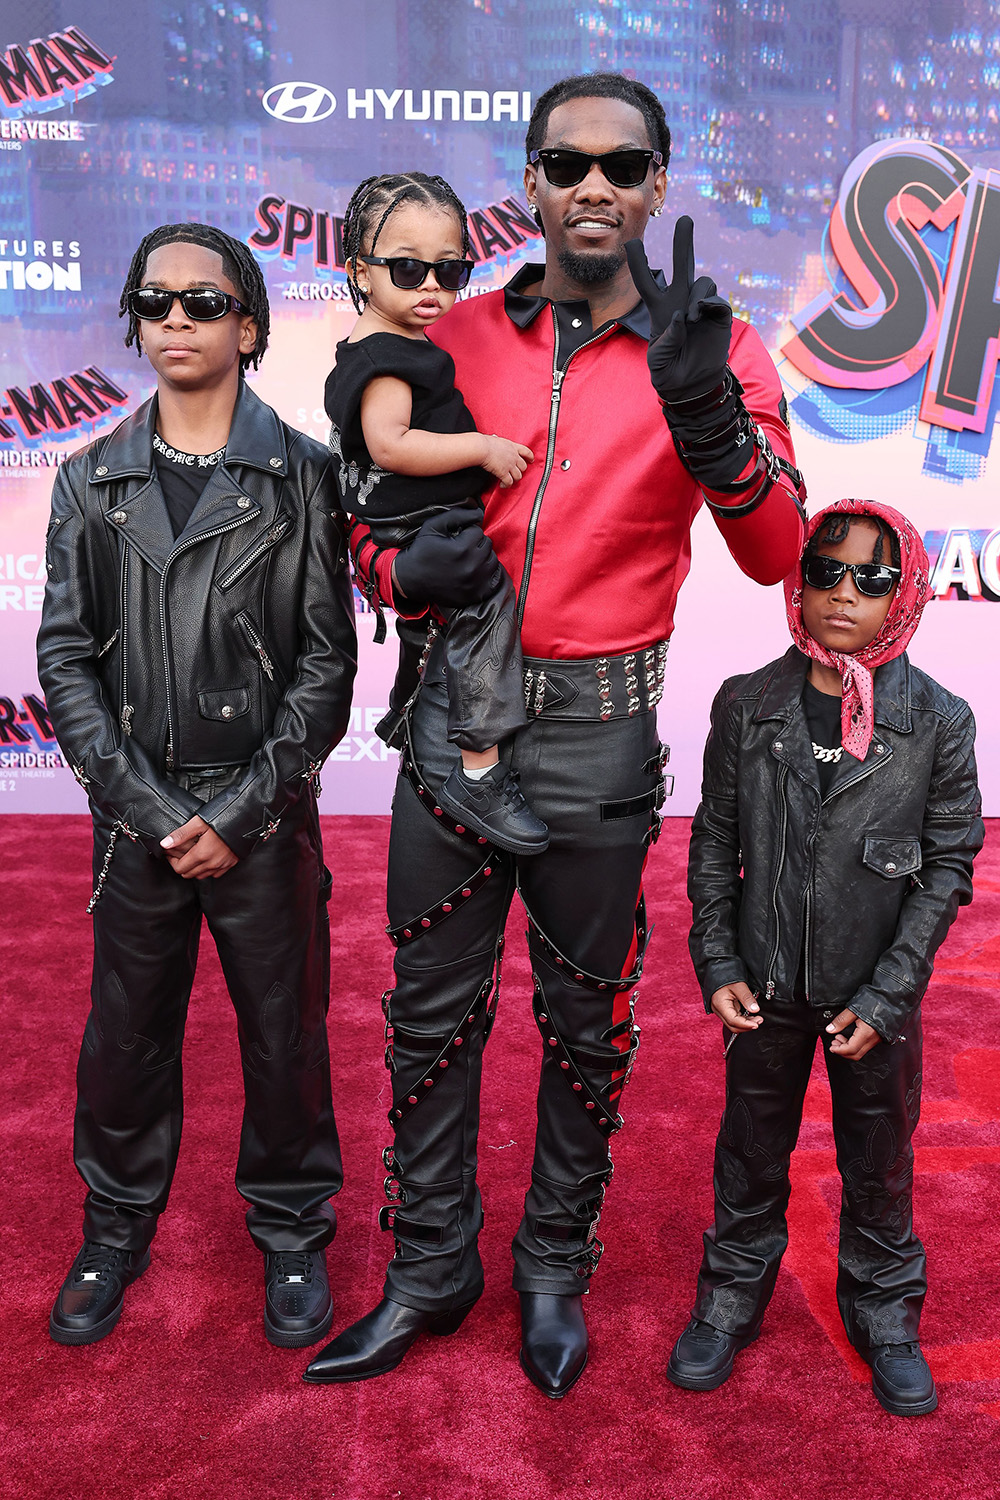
[[864, 1038], [737, 1008], [196, 851]]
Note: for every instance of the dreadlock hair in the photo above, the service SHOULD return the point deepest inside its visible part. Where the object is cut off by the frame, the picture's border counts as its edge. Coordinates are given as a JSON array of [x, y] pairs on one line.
[[238, 262], [375, 199], [601, 86], [836, 526]]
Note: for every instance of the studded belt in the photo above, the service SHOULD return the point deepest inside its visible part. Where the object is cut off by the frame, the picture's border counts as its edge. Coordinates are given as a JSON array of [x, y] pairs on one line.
[[599, 687]]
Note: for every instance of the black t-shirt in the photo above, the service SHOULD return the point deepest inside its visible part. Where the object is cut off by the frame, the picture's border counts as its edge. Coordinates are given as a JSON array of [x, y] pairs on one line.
[[822, 711], [366, 489], [182, 478]]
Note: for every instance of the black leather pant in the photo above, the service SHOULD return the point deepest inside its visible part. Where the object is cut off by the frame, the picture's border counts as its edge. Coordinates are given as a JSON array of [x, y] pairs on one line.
[[881, 1277], [448, 900], [268, 916]]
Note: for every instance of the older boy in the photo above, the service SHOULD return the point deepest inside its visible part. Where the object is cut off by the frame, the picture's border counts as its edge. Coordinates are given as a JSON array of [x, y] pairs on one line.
[[829, 856], [197, 652]]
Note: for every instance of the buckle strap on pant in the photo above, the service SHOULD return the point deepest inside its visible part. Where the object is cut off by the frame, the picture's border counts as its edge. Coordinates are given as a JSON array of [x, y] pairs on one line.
[[581, 976], [484, 1006], [600, 1111], [405, 932]]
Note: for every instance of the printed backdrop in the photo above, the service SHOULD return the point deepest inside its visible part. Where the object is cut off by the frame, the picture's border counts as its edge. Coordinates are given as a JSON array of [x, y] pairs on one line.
[[841, 162]]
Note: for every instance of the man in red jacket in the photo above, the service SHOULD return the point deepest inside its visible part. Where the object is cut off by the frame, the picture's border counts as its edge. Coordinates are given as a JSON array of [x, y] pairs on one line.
[[596, 539]]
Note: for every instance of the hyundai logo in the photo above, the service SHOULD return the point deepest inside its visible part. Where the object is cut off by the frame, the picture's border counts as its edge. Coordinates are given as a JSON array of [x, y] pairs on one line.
[[299, 103]]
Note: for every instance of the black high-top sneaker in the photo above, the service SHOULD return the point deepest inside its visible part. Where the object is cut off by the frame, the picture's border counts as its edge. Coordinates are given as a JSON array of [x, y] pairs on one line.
[[494, 808]]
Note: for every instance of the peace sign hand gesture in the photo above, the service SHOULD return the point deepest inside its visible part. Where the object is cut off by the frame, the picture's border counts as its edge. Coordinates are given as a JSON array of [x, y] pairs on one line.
[[690, 322]]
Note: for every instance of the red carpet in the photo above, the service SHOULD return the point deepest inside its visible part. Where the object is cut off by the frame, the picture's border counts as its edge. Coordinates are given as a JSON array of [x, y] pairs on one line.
[[185, 1404]]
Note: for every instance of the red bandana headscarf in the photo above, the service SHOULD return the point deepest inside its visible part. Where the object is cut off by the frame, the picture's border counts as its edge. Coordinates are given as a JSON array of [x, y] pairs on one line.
[[912, 593]]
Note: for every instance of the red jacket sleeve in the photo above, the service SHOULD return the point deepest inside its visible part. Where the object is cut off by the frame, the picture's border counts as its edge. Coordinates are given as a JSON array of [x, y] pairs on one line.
[[767, 543]]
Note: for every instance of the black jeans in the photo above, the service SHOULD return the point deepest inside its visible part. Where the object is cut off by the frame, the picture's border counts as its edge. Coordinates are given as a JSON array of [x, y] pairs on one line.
[[881, 1277], [268, 916], [448, 903]]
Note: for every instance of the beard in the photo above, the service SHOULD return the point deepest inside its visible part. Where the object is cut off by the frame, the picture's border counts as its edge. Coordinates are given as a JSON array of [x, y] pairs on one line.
[[590, 270]]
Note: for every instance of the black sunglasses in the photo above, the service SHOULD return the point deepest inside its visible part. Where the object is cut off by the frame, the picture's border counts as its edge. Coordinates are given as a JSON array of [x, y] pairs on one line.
[[873, 579], [406, 272], [623, 169], [202, 304]]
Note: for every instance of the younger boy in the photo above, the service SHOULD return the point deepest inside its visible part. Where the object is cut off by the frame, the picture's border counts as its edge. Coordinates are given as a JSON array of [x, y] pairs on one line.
[[197, 653], [830, 854]]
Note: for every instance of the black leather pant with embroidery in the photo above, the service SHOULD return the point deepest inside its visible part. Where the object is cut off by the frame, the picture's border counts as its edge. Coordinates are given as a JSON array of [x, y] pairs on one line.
[[268, 916], [448, 898], [881, 1276]]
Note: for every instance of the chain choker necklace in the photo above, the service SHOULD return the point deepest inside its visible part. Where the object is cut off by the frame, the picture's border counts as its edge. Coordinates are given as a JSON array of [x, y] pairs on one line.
[[831, 757], [191, 460]]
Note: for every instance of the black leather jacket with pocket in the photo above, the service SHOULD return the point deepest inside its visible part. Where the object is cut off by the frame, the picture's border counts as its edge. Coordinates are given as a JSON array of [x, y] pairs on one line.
[[232, 645], [866, 879]]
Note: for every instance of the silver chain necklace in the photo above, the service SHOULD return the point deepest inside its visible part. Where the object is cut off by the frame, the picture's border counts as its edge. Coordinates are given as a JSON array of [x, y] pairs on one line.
[[191, 460], [831, 757]]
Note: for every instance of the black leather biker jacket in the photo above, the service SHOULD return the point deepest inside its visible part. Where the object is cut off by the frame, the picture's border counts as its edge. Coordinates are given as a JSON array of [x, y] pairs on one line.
[[867, 879], [232, 645]]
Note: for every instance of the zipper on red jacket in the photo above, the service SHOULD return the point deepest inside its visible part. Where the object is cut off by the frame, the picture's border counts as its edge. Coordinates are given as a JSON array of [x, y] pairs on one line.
[[558, 376]]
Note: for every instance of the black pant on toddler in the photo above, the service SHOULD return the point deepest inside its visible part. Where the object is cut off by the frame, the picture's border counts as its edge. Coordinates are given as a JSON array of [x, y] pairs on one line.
[[881, 1267]]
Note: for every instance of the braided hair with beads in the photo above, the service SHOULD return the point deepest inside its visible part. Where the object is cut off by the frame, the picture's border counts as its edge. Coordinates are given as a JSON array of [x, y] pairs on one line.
[[375, 199], [240, 267]]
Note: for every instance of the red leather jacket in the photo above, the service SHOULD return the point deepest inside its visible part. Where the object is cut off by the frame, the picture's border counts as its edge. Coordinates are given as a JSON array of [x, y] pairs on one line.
[[596, 536]]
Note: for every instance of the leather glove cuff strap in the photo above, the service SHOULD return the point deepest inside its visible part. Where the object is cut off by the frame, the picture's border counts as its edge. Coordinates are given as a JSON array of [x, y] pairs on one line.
[[683, 409]]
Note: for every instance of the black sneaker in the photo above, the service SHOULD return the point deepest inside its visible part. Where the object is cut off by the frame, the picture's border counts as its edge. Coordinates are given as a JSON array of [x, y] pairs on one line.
[[495, 809], [901, 1380], [702, 1358], [90, 1300], [298, 1308]]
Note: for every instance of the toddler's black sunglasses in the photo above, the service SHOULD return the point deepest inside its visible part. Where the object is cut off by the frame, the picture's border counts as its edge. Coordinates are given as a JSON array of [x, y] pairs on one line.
[[201, 304], [623, 169], [406, 272], [874, 579]]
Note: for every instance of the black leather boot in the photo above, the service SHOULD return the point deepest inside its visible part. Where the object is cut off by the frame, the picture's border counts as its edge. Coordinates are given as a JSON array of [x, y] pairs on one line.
[[298, 1308], [553, 1341], [90, 1300], [703, 1356], [376, 1343]]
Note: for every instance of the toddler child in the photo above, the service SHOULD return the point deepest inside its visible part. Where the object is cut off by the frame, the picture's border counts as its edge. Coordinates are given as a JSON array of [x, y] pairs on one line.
[[830, 854], [409, 451]]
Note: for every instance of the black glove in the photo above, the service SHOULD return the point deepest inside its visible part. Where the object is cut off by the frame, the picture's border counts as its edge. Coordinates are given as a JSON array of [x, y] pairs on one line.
[[690, 322], [450, 561]]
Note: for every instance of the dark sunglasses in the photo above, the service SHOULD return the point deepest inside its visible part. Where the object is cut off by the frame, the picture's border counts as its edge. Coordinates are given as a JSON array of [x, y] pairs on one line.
[[623, 169], [201, 304], [873, 579], [406, 272]]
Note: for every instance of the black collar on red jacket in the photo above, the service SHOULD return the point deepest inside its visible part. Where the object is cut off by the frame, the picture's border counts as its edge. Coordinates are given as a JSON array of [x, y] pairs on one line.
[[523, 310]]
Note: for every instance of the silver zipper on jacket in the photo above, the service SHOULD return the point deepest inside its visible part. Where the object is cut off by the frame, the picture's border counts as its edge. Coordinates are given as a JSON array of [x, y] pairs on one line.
[[257, 643], [558, 376], [867, 771], [203, 536], [274, 535], [127, 710], [782, 834]]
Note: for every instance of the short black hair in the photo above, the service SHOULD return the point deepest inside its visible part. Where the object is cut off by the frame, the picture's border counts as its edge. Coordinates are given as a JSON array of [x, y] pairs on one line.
[[238, 262], [601, 86], [375, 199], [836, 526]]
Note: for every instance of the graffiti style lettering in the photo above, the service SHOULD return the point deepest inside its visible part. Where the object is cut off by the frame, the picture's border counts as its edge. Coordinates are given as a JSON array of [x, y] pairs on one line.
[[289, 229], [61, 67], [59, 407], [963, 368], [896, 315], [883, 333]]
